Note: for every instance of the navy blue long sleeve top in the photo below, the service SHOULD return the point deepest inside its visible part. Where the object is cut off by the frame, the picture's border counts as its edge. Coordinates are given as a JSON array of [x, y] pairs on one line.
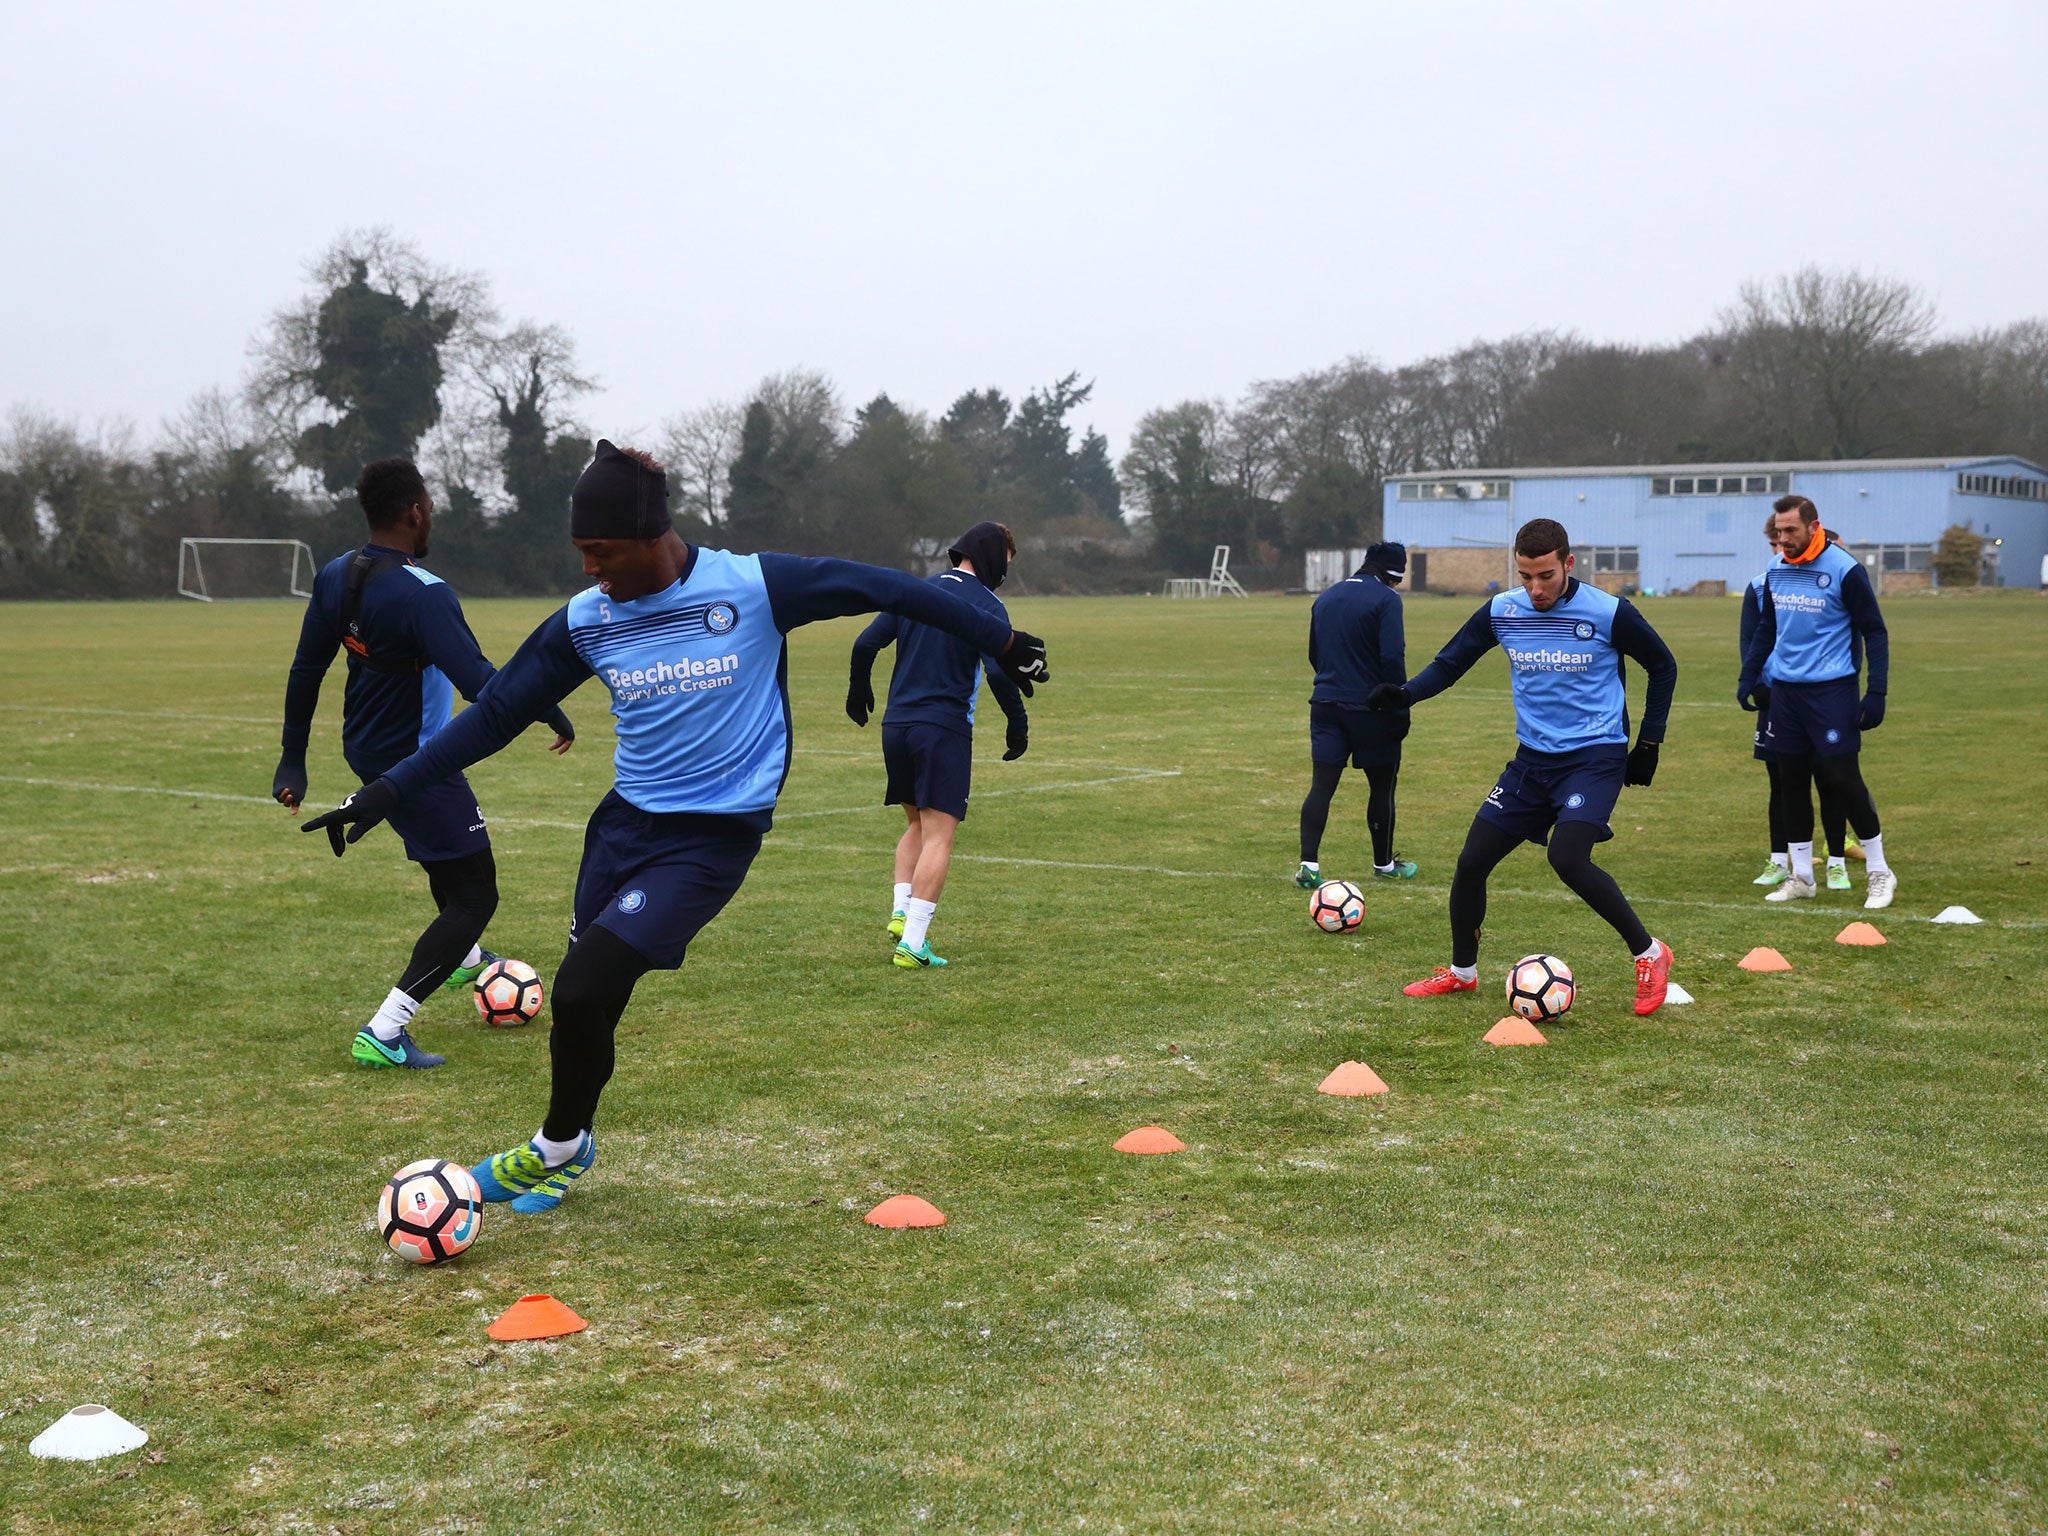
[[938, 675], [1356, 641]]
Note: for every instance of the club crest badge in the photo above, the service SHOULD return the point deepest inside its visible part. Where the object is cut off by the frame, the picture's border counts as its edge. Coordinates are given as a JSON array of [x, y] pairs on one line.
[[632, 902], [719, 618], [1583, 629]]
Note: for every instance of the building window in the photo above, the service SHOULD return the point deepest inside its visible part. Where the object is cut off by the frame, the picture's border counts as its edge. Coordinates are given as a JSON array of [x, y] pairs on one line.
[[1894, 557], [1453, 490], [1719, 485], [1619, 559], [2017, 487]]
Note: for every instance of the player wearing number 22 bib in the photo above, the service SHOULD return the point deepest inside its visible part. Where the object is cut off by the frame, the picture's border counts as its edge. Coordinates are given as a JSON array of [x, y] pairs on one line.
[[1565, 643], [689, 642]]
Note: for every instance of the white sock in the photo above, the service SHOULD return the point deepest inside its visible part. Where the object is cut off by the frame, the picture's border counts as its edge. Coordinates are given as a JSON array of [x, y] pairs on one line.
[[555, 1153], [1465, 972], [1873, 854], [396, 1013], [1386, 868], [1651, 952], [1782, 860], [1802, 861], [474, 957], [917, 920], [1312, 866], [900, 896]]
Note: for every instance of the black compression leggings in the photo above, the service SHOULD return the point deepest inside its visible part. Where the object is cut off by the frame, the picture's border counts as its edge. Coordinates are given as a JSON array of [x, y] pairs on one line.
[[1379, 809], [466, 891], [1834, 819], [1839, 778], [592, 989], [1571, 855]]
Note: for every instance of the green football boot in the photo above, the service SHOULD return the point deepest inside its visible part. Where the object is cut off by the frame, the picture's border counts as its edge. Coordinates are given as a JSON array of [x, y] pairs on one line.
[[466, 975], [1838, 877], [404, 1051], [921, 959], [1400, 869], [1308, 879], [1774, 874], [896, 924]]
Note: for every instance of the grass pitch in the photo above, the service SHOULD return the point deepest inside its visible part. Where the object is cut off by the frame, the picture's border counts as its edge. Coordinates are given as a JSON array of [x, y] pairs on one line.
[[1773, 1260]]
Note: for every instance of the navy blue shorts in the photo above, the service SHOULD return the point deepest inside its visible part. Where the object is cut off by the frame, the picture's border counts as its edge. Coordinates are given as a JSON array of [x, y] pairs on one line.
[[929, 767], [1817, 719], [1532, 795], [655, 880], [442, 821], [1768, 746], [1363, 737]]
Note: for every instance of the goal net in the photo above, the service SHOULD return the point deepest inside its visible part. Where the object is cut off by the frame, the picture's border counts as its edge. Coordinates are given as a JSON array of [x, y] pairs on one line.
[[216, 570]]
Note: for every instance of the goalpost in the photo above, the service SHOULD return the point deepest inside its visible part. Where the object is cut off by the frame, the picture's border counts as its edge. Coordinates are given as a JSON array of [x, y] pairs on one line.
[[190, 558]]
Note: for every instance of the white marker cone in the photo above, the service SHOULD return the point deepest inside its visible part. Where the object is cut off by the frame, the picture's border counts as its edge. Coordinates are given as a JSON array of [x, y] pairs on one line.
[[87, 1433], [1957, 915], [1674, 993]]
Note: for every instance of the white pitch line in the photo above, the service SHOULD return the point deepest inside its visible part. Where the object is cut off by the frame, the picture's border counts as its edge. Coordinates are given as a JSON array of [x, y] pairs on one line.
[[992, 858]]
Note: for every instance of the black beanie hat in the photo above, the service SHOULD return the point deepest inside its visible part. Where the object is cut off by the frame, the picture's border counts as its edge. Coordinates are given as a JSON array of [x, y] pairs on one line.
[[988, 546], [618, 497], [1391, 558]]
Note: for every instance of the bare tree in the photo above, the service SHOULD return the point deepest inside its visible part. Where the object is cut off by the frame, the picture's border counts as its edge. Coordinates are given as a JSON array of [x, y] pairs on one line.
[[1817, 353], [698, 447]]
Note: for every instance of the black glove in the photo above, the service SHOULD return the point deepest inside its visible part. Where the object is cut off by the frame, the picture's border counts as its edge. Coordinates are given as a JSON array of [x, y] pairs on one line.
[[1389, 696], [860, 687], [558, 722], [1873, 712], [1642, 764], [1023, 661], [1017, 741], [1754, 697], [1402, 720], [359, 812], [288, 784]]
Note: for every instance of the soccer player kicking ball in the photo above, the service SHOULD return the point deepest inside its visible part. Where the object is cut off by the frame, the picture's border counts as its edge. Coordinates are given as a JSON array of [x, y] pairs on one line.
[[1565, 644], [1356, 643], [1816, 606], [689, 642], [409, 653], [928, 732]]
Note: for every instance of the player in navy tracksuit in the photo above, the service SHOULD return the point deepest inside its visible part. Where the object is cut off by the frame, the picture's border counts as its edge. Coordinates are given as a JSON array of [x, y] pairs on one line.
[[928, 732], [409, 652], [1565, 644], [1834, 821], [689, 643], [1356, 643], [1817, 605]]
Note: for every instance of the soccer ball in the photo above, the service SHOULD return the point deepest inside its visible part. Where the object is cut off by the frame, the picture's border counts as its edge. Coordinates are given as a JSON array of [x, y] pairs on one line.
[[1540, 987], [430, 1211], [1338, 906], [508, 994]]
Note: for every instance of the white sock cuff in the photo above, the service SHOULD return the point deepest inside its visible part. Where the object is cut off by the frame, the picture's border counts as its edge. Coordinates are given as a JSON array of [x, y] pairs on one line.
[[917, 921], [393, 1014], [901, 894], [556, 1153], [1465, 972]]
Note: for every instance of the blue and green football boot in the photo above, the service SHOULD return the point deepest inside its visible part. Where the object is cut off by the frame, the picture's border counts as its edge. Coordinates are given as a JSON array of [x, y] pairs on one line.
[[369, 1051], [920, 959], [1774, 874], [1308, 879], [523, 1177], [1400, 869], [466, 975]]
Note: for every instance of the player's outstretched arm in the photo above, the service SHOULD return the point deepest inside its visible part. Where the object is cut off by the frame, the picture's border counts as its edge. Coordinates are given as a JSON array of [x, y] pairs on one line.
[[544, 671], [319, 640], [1750, 691], [1460, 654], [804, 589], [1866, 623]]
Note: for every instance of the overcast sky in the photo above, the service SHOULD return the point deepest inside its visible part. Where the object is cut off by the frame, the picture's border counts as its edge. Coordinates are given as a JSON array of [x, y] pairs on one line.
[[1174, 199]]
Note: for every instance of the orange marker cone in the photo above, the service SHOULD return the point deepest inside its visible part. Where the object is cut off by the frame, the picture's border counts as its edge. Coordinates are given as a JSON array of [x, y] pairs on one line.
[[536, 1317], [1515, 1031], [905, 1211], [1353, 1080], [1150, 1138], [1859, 933], [1761, 959]]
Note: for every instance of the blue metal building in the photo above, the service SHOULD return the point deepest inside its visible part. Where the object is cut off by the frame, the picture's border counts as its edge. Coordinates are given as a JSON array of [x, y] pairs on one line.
[[1667, 528]]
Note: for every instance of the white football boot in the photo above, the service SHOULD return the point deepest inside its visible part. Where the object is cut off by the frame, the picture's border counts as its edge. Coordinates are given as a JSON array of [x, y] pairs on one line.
[[1794, 889], [1884, 885]]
